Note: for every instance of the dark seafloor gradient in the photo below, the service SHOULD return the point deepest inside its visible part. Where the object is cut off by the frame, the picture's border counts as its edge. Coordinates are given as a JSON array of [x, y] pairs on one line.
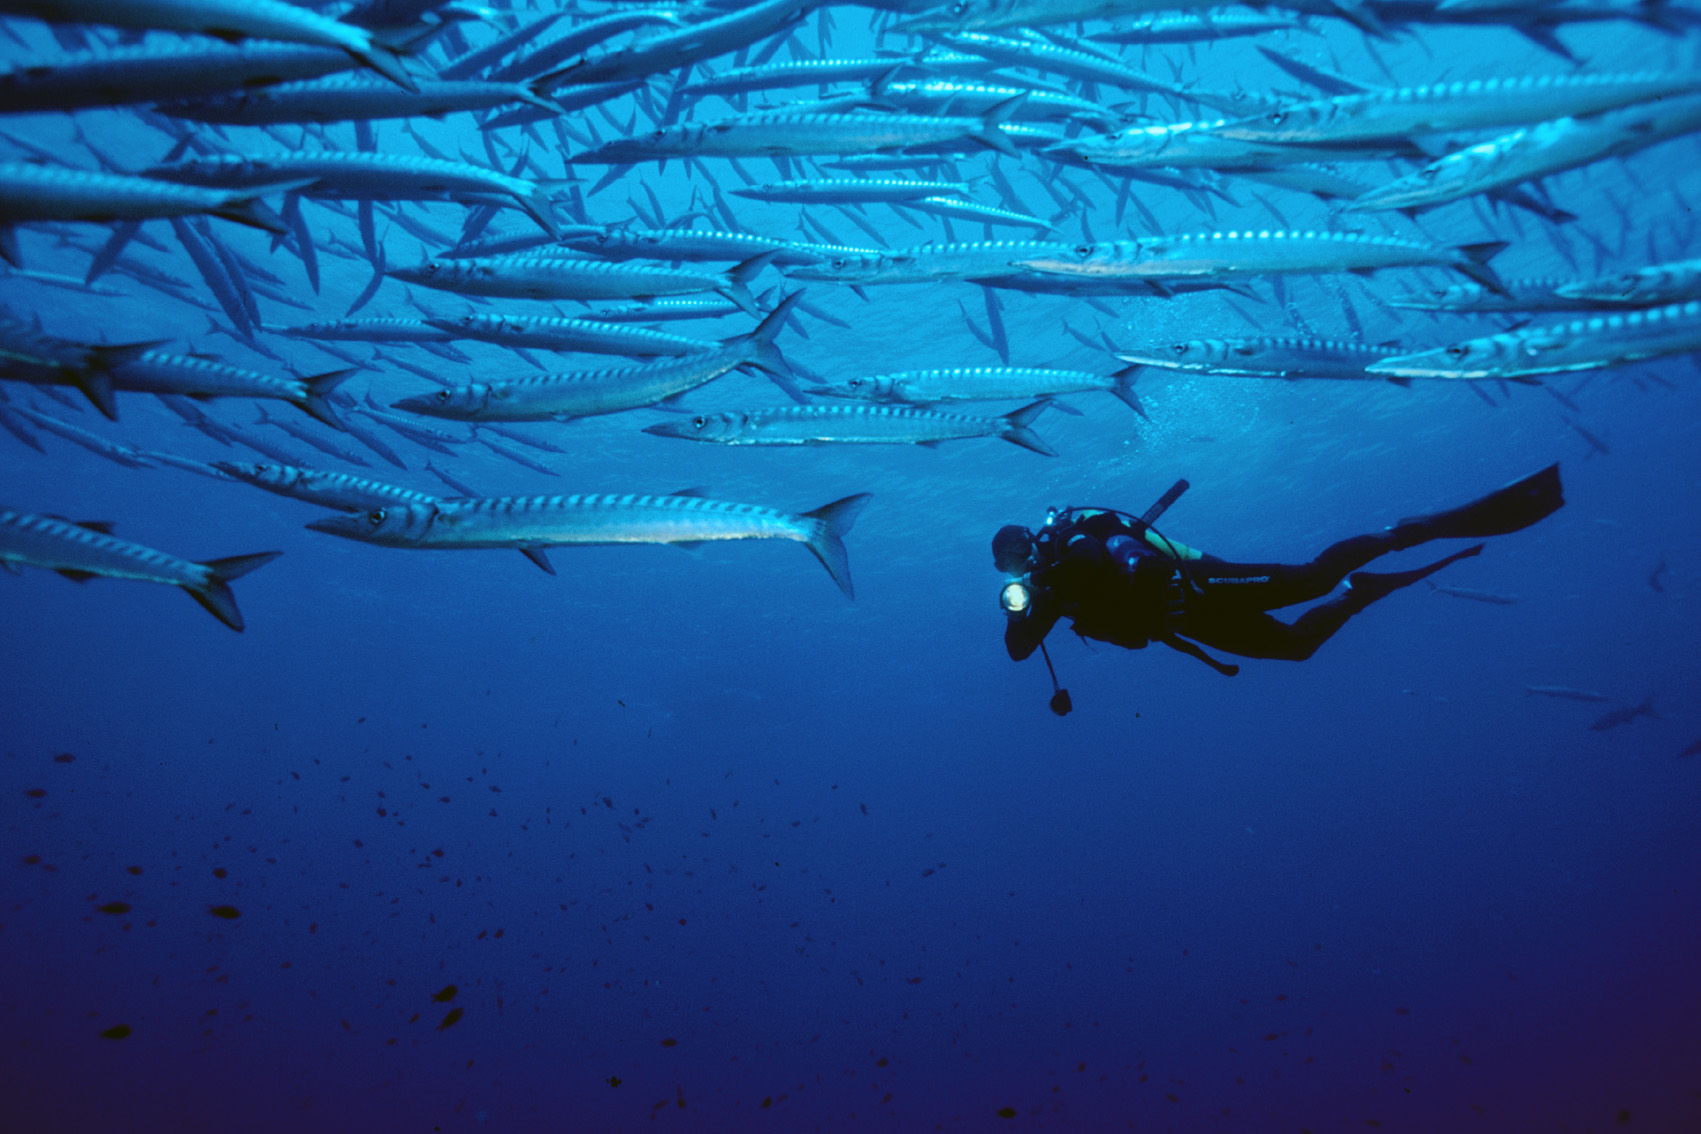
[[777, 861]]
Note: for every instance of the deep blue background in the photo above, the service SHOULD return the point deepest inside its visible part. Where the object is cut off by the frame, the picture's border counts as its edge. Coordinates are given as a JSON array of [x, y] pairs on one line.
[[840, 853]]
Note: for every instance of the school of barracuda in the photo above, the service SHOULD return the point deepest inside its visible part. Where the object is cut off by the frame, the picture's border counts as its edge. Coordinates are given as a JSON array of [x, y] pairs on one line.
[[266, 114]]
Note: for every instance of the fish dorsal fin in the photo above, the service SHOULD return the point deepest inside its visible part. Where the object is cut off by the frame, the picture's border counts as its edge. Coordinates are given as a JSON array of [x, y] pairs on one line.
[[698, 492], [104, 527], [536, 555]]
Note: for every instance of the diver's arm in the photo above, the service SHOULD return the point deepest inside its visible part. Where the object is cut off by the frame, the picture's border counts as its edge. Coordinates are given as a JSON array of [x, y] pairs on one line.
[[1022, 636]]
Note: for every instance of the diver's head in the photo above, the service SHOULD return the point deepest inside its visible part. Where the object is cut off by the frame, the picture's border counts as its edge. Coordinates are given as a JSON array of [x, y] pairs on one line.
[[1012, 549]]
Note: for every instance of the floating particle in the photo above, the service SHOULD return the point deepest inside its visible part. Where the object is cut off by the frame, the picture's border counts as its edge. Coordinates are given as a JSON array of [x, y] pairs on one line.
[[229, 913], [116, 1031]]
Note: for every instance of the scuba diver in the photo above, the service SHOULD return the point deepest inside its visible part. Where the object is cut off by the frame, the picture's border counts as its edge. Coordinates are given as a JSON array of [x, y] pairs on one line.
[[1120, 581]]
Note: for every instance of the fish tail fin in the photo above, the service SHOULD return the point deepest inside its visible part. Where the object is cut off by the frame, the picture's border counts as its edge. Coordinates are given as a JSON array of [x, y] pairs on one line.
[[1124, 389], [215, 593], [1475, 263], [766, 357], [315, 400], [990, 135], [827, 541], [739, 276], [1017, 432], [388, 63]]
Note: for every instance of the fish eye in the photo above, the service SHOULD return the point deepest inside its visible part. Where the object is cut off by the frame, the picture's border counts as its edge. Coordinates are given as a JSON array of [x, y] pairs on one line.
[[1179, 348], [431, 269], [1277, 117], [1083, 249], [376, 519], [699, 422], [841, 262], [855, 383], [1457, 350], [443, 395], [658, 135]]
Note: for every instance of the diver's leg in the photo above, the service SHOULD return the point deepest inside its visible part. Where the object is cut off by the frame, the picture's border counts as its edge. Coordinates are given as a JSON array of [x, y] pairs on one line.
[[1254, 634]]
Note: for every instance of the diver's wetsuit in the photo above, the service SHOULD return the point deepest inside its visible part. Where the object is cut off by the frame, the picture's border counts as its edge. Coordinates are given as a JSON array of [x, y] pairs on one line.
[[1123, 583]]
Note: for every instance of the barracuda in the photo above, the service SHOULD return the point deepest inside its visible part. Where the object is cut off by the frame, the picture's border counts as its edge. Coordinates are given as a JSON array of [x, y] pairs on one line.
[[364, 176], [316, 486], [123, 76], [1438, 108], [83, 551], [1534, 152], [1584, 344], [1223, 23], [1539, 294], [368, 331], [553, 332], [41, 193], [972, 211], [851, 191], [980, 384], [1043, 55], [1195, 145], [689, 44], [348, 99], [940, 96], [559, 397], [855, 425], [551, 277], [156, 372], [531, 524], [792, 134], [686, 244], [1269, 357], [1676, 282], [800, 73], [1220, 255], [256, 19], [928, 263]]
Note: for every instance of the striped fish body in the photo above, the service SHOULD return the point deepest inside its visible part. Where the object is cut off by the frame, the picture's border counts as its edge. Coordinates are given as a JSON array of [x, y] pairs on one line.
[[59, 545], [936, 96], [550, 277], [124, 76], [1046, 56], [993, 15], [1534, 152], [369, 331], [38, 192], [573, 43], [693, 42], [798, 73], [156, 372], [680, 244], [1266, 357], [77, 435], [794, 135], [929, 263], [31, 355], [1193, 145], [667, 310], [331, 489], [259, 19], [349, 99], [1467, 105], [1584, 344], [851, 425], [972, 211], [1520, 295], [531, 523], [80, 552], [1224, 24], [1233, 254], [551, 521], [969, 384], [360, 176], [548, 332], [1675, 282], [850, 191], [558, 397]]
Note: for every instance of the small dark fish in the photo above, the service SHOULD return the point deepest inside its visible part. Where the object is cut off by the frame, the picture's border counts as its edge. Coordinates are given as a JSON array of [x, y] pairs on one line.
[[1566, 693], [453, 1018], [446, 995], [63, 758], [116, 1032], [1691, 750], [229, 913], [1654, 577], [114, 908], [1624, 716], [1475, 596]]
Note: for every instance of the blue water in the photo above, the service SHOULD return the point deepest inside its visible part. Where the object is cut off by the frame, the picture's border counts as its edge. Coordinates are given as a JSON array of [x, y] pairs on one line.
[[703, 845]]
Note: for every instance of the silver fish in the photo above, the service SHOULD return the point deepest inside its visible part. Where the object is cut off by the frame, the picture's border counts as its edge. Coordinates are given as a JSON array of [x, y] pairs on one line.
[[980, 383], [82, 551], [555, 397], [558, 277], [1675, 282], [40, 192], [348, 99], [1584, 344], [532, 523], [338, 490], [1267, 357], [855, 425], [553, 332], [128, 75]]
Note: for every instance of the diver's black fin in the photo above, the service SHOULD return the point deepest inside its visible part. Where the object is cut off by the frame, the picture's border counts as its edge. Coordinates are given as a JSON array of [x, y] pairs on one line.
[[1368, 586], [1509, 509]]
